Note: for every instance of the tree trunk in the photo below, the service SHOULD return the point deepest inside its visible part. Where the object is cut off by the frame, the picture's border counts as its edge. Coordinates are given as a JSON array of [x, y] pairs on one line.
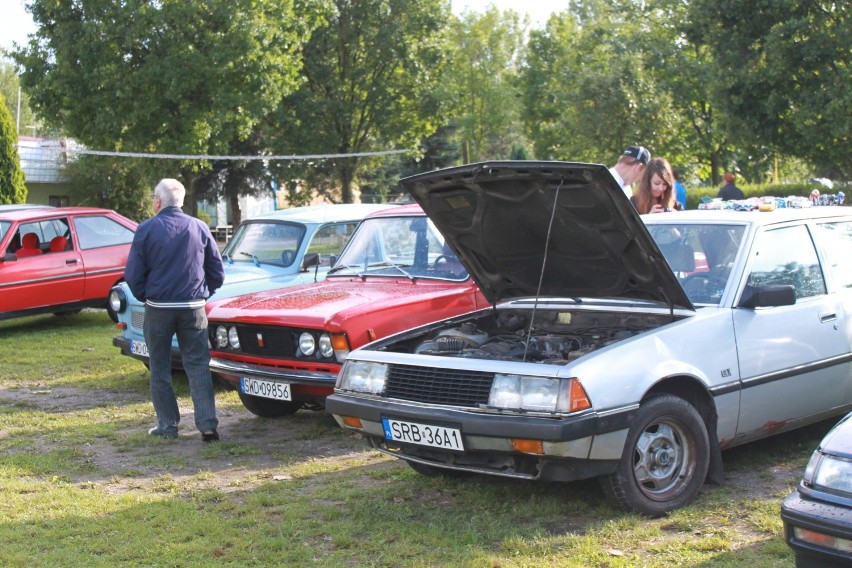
[[236, 212], [347, 174]]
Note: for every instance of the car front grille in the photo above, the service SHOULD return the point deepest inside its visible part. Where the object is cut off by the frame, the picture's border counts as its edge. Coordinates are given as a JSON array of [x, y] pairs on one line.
[[266, 341], [137, 320], [438, 386]]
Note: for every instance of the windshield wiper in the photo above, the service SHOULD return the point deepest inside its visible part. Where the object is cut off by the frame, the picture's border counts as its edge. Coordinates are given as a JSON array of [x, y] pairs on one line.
[[254, 258], [354, 269], [392, 265]]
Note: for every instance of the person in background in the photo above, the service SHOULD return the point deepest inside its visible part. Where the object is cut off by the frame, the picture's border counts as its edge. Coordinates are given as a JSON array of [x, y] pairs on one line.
[[730, 191], [174, 265], [656, 189], [628, 169], [680, 189]]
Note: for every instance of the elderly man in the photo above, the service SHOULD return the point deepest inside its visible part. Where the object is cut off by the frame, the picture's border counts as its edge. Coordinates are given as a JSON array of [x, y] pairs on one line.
[[629, 167], [174, 266]]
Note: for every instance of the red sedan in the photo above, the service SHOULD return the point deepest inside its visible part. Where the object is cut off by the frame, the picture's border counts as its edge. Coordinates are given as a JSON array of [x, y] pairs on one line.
[[60, 259]]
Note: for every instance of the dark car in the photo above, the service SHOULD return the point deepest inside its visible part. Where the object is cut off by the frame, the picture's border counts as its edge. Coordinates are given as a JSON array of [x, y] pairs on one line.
[[818, 514], [60, 259]]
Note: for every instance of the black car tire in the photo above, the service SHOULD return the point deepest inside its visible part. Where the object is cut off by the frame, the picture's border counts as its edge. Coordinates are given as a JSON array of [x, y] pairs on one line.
[[268, 408], [665, 460]]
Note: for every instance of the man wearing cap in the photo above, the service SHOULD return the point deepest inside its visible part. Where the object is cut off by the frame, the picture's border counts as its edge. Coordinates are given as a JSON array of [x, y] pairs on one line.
[[628, 169]]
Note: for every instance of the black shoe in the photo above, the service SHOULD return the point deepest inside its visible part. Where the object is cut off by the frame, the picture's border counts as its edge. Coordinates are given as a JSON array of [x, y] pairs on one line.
[[211, 436], [155, 431]]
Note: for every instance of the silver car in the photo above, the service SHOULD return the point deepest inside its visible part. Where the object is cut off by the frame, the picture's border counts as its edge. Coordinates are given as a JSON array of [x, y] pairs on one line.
[[628, 348]]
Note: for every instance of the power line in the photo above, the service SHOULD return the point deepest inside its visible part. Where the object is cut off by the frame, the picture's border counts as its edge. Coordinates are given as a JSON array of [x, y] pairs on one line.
[[234, 158]]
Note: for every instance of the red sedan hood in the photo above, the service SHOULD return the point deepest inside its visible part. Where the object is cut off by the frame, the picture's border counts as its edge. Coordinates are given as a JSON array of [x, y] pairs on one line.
[[334, 300]]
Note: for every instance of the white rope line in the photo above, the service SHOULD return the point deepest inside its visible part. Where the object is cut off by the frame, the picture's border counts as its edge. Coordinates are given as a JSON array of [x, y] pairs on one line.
[[235, 158]]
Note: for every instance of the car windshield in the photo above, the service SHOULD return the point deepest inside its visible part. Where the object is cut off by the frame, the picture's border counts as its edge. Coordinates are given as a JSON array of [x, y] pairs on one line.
[[700, 255], [401, 247], [4, 228], [262, 241]]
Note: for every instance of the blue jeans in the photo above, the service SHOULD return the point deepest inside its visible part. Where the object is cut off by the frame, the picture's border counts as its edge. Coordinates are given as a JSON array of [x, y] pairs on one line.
[[191, 329]]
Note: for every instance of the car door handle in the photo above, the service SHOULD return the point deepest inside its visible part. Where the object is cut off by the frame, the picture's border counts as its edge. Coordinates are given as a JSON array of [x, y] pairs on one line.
[[827, 317], [71, 261]]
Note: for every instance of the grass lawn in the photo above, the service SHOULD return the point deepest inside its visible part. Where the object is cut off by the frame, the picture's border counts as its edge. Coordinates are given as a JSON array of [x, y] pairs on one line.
[[81, 484]]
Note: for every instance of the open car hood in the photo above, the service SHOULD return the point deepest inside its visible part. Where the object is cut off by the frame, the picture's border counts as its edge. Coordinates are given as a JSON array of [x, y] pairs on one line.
[[497, 217]]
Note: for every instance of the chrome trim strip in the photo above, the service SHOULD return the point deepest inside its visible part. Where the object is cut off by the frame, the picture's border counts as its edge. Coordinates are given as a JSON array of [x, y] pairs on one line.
[[254, 371]]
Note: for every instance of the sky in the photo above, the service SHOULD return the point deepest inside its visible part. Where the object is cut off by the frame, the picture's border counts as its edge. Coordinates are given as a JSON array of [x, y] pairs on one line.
[[15, 22]]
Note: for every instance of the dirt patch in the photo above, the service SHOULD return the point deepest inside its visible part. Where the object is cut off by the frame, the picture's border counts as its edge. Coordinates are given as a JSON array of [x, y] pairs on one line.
[[252, 450]]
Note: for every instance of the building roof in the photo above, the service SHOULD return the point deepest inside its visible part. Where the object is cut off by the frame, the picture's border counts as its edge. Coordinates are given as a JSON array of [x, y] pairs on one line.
[[43, 159]]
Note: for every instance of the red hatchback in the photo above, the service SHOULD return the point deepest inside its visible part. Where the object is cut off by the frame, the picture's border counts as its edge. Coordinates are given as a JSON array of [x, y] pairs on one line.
[[60, 259]]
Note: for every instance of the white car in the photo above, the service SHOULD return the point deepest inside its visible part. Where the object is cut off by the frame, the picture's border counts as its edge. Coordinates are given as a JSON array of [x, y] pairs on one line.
[[628, 348]]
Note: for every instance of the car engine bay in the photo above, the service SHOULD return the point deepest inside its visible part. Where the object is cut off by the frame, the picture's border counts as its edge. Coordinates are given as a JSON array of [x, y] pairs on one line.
[[555, 337]]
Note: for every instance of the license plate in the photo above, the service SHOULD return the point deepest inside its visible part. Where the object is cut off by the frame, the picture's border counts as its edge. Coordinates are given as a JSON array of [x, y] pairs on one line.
[[265, 389], [423, 434], [139, 348]]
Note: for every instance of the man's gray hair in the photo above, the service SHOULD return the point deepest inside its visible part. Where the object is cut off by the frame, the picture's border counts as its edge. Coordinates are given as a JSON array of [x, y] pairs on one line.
[[171, 192]]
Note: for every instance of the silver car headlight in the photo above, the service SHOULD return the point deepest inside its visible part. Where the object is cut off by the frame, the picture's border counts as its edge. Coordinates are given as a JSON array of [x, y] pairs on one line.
[[325, 348], [363, 376], [521, 392], [307, 344], [117, 300], [233, 338], [221, 336], [829, 473]]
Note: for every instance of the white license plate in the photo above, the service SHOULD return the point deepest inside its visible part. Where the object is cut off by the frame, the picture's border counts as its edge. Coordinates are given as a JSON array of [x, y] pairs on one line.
[[139, 348], [423, 434], [265, 389]]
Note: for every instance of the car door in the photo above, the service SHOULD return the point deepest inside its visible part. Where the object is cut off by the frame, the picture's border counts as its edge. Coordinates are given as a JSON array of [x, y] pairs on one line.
[[793, 359], [48, 279], [104, 244]]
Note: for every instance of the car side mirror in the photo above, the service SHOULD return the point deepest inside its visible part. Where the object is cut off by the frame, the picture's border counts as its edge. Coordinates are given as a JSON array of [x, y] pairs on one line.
[[769, 295], [311, 259]]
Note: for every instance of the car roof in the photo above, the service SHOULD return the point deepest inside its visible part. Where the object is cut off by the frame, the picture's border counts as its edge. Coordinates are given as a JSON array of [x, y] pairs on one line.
[[755, 217], [17, 206], [330, 213], [400, 211], [43, 212]]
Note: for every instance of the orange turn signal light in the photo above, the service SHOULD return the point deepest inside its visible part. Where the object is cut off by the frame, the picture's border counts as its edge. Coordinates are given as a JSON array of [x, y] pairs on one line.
[[121, 325], [528, 446], [339, 342], [352, 422], [577, 397]]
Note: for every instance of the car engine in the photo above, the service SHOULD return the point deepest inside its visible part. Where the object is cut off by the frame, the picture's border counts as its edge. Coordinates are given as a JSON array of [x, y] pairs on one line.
[[555, 337]]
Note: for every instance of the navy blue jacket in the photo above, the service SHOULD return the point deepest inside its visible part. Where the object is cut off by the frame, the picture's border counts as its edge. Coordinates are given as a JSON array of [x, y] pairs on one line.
[[174, 260]]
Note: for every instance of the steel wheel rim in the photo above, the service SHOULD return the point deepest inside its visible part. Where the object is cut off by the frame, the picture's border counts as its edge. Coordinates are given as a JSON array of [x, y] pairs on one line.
[[663, 459]]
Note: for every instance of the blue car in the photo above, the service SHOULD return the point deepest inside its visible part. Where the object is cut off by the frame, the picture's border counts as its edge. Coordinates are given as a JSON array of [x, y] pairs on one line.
[[818, 514], [283, 248]]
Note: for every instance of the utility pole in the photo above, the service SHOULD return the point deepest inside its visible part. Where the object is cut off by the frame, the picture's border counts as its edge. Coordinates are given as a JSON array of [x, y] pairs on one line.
[[18, 117]]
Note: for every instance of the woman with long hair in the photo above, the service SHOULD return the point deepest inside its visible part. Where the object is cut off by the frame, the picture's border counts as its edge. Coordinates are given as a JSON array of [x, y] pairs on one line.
[[656, 189]]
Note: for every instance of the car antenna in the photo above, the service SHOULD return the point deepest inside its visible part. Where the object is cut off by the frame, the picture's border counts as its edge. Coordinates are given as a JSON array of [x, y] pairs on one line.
[[543, 266]]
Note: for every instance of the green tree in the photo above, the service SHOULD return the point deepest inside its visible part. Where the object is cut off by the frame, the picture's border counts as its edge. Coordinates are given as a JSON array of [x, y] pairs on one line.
[[481, 83], [370, 75], [12, 188], [784, 74], [122, 184], [10, 89], [174, 77], [586, 92]]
